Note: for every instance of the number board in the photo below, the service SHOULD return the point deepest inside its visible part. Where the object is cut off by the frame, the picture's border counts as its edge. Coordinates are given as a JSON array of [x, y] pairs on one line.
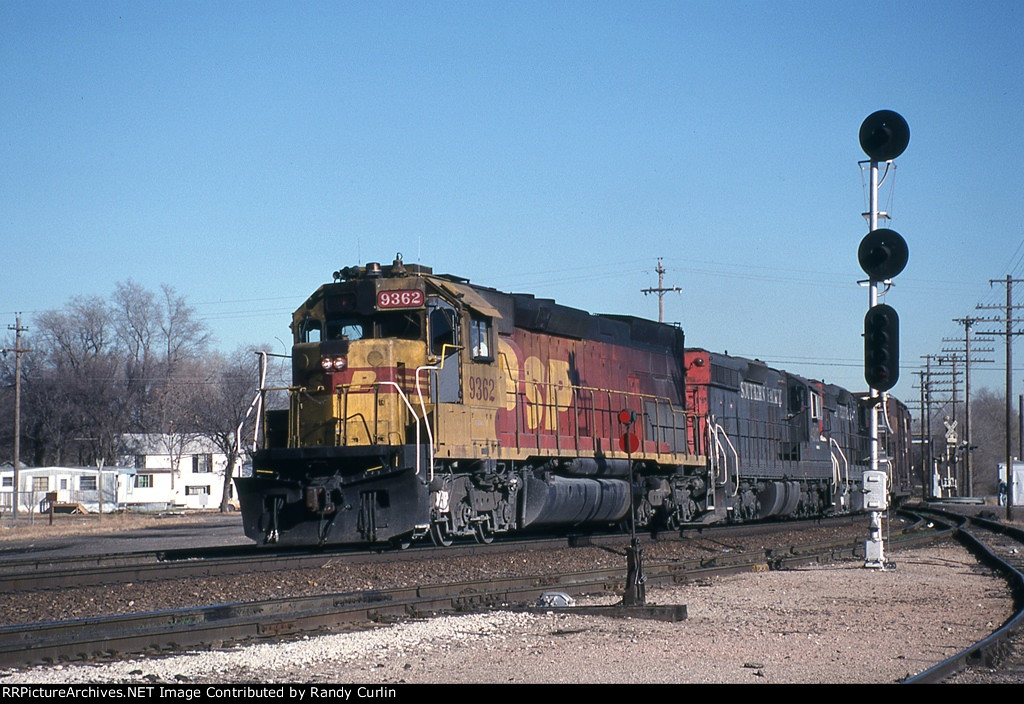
[[404, 298]]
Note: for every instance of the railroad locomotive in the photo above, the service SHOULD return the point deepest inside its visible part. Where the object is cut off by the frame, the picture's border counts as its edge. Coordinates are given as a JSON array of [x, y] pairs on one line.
[[422, 405]]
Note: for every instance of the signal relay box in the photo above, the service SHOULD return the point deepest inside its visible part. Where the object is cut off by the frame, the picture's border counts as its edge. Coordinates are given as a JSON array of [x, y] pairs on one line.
[[876, 494]]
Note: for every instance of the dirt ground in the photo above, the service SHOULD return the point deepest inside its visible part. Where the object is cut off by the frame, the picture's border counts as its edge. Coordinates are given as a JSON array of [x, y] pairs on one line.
[[39, 526]]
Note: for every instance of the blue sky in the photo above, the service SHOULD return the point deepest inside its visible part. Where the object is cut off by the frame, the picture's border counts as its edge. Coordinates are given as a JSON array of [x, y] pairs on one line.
[[243, 151]]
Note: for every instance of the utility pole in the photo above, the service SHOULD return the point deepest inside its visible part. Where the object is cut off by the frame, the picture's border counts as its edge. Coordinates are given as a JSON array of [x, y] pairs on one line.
[[661, 291], [18, 351], [925, 440], [931, 387], [968, 323], [1009, 319]]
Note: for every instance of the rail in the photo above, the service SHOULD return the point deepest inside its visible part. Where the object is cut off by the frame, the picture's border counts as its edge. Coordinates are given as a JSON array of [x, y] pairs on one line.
[[996, 645]]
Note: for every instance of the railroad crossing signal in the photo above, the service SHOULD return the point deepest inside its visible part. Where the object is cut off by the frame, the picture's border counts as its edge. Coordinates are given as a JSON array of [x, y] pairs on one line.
[[951, 436], [881, 347]]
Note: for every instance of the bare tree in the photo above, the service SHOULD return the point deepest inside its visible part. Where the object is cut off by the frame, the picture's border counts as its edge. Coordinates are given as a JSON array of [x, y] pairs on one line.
[[988, 435], [233, 385], [184, 336], [137, 322], [74, 386], [99, 369]]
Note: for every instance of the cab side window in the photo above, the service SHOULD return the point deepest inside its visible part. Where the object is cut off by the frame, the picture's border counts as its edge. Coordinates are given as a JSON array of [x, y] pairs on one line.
[[443, 328], [311, 330], [480, 339], [816, 407]]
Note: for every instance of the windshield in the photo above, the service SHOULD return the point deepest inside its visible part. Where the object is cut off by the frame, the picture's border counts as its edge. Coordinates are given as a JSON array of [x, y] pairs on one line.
[[350, 328], [403, 325]]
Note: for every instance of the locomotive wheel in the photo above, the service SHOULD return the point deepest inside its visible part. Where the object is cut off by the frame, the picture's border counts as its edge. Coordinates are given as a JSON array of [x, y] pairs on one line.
[[482, 534], [439, 535]]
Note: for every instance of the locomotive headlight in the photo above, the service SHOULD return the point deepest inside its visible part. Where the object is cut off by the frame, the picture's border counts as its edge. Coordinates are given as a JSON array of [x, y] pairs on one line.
[[333, 364]]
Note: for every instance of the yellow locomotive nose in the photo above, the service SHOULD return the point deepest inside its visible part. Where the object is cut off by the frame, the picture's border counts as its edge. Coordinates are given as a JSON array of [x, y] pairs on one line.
[[355, 398]]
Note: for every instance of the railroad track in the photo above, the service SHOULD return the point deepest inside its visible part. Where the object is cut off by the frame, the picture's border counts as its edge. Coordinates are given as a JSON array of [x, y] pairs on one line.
[[1001, 547], [44, 573], [213, 626]]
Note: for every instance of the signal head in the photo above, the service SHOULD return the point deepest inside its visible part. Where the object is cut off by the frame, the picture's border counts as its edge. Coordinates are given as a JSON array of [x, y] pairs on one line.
[[884, 135], [881, 347], [883, 253]]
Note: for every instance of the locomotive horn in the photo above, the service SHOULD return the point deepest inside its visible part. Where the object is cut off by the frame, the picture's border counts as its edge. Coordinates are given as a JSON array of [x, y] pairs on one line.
[[884, 135]]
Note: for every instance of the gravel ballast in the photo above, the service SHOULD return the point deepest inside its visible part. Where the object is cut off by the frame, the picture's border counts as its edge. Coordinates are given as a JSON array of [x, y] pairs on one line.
[[835, 623]]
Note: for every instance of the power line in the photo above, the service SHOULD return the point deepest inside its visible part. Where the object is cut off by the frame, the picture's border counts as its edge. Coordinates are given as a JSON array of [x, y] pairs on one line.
[[1009, 320]]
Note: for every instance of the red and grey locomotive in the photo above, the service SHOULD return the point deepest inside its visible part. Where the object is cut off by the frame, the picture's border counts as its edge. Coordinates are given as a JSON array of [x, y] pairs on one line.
[[423, 405]]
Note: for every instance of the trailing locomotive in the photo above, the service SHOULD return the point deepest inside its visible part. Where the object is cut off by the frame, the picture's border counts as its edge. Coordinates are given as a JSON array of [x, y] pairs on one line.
[[422, 405]]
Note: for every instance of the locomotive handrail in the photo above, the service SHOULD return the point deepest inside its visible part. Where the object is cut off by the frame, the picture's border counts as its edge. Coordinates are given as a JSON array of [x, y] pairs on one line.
[[412, 412], [885, 411], [836, 474], [888, 431], [423, 407], [714, 451], [293, 422], [888, 469], [343, 389], [717, 432], [258, 401], [547, 406]]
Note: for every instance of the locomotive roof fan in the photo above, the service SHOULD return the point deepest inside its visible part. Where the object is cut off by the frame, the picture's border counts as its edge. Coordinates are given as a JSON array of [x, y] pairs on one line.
[[884, 135]]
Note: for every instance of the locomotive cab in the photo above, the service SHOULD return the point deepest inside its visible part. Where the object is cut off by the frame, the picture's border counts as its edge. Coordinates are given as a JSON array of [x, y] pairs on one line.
[[390, 366]]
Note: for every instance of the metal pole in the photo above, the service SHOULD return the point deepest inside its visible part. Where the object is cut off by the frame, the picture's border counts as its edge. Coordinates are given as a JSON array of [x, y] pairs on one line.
[[968, 463], [635, 593], [17, 416], [1020, 431], [956, 465], [872, 302], [99, 483], [928, 419], [874, 548], [1009, 396], [924, 467]]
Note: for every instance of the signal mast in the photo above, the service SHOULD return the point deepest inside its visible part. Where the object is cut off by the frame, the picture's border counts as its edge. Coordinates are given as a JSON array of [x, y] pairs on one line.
[[883, 254]]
